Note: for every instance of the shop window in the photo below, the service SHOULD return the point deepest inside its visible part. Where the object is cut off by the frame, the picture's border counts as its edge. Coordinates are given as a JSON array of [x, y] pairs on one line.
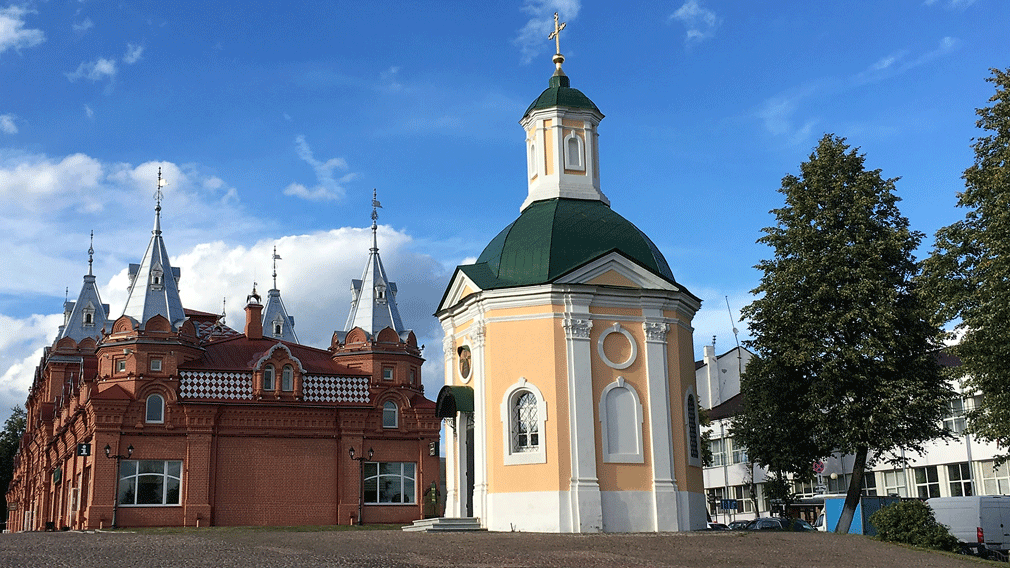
[[390, 483], [149, 482]]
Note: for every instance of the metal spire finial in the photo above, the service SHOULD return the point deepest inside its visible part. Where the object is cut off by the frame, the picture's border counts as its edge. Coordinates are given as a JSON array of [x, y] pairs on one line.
[[375, 217], [91, 253], [162, 182], [276, 258], [556, 36]]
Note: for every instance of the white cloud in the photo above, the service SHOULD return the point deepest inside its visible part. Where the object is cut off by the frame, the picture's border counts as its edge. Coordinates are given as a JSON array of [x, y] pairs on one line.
[[13, 34], [7, 125], [21, 343], [778, 115], [89, 112], [532, 37], [699, 21], [327, 188], [84, 26], [133, 53], [951, 4], [31, 181], [96, 70]]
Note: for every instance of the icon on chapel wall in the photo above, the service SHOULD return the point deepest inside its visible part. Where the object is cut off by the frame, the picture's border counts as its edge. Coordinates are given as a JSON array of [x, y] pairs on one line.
[[464, 362]]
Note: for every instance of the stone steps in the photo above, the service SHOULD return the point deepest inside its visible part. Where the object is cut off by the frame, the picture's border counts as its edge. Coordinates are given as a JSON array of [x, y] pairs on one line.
[[446, 524]]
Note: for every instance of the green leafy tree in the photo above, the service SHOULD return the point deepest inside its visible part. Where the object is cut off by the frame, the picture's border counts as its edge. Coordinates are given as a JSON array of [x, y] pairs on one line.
[[10, 440], [969, 270], [845, 347]]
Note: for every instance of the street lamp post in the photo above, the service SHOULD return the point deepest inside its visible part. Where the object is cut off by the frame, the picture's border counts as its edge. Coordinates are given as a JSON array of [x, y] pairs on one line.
[[115, 502], [361, 477]]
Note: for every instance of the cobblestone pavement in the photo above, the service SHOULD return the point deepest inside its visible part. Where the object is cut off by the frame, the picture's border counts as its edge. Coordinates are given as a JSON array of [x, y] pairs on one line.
[[257, 547]]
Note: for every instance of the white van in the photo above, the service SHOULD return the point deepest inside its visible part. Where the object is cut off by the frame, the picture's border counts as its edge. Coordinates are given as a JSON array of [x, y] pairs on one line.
[[979, 520]]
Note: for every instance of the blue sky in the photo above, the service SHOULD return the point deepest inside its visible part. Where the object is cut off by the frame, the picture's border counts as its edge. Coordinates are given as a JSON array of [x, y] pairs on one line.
[[274, 122]]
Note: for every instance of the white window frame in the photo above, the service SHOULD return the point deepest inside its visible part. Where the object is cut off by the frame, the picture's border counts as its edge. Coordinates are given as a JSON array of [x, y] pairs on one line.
[[995, 481], [959, 478], [161, 409], [372, 472], [272, 372], [536, 454], [928, 483], [288, 378], [387, 373], [895, 482], [719, 453], [128, 479], [579, 161], [635, 421], [155, 365], [390, 408]]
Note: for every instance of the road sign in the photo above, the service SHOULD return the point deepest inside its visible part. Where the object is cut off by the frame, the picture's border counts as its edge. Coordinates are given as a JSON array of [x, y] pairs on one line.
[[728, 504], [818, 467]]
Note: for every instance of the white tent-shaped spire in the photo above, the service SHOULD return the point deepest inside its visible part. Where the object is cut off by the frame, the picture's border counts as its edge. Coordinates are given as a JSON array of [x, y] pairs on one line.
[[276, 321], [373, 297], [87, 316], [154, 283]]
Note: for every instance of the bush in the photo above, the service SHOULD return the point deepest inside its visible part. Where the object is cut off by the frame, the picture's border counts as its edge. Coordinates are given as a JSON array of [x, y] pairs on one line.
[[912, 522]]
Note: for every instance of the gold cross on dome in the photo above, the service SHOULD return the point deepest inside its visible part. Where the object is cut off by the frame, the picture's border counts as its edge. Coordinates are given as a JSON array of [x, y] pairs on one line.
[[555, 35]]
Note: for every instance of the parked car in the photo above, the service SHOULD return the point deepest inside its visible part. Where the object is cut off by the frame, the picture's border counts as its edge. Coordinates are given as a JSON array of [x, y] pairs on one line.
[[779, 524], [738, 525], [717, 527]]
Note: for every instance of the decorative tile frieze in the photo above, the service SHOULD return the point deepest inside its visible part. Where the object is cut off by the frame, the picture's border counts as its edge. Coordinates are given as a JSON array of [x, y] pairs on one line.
[[318, 388], [216, 384]]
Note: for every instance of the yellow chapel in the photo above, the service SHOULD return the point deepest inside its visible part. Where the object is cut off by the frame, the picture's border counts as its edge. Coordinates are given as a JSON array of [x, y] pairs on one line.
[[569, 387]]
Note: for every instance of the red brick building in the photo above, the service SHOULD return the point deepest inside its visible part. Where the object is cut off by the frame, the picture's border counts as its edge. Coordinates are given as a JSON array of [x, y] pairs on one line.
[[220, 427]]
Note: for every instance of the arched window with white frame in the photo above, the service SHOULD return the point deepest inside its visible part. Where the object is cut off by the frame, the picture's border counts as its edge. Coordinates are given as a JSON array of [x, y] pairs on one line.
[[390, 415], [621, 423], [288, 378], [575, 152], [268, 378], [523, 414], [155, 409]]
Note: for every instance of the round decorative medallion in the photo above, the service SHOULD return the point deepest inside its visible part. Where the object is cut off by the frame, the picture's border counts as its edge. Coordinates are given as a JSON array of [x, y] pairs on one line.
[[464, 363], [616, 328]]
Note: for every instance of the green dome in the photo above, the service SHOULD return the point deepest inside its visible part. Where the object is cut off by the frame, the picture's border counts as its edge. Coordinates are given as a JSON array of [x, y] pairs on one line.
[[555, 236], [560, 93]]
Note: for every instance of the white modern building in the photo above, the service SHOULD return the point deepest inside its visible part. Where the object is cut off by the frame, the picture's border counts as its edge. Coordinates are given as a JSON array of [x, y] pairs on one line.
[[963, 466]]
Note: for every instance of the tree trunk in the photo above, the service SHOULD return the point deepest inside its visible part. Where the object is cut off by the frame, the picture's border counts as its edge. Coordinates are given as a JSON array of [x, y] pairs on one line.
[[855, 490]]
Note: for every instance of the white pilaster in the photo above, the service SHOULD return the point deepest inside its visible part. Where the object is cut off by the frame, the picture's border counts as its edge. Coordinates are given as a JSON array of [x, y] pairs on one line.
[[587, 510], [664, 486], [452, 467], [480, 417]]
